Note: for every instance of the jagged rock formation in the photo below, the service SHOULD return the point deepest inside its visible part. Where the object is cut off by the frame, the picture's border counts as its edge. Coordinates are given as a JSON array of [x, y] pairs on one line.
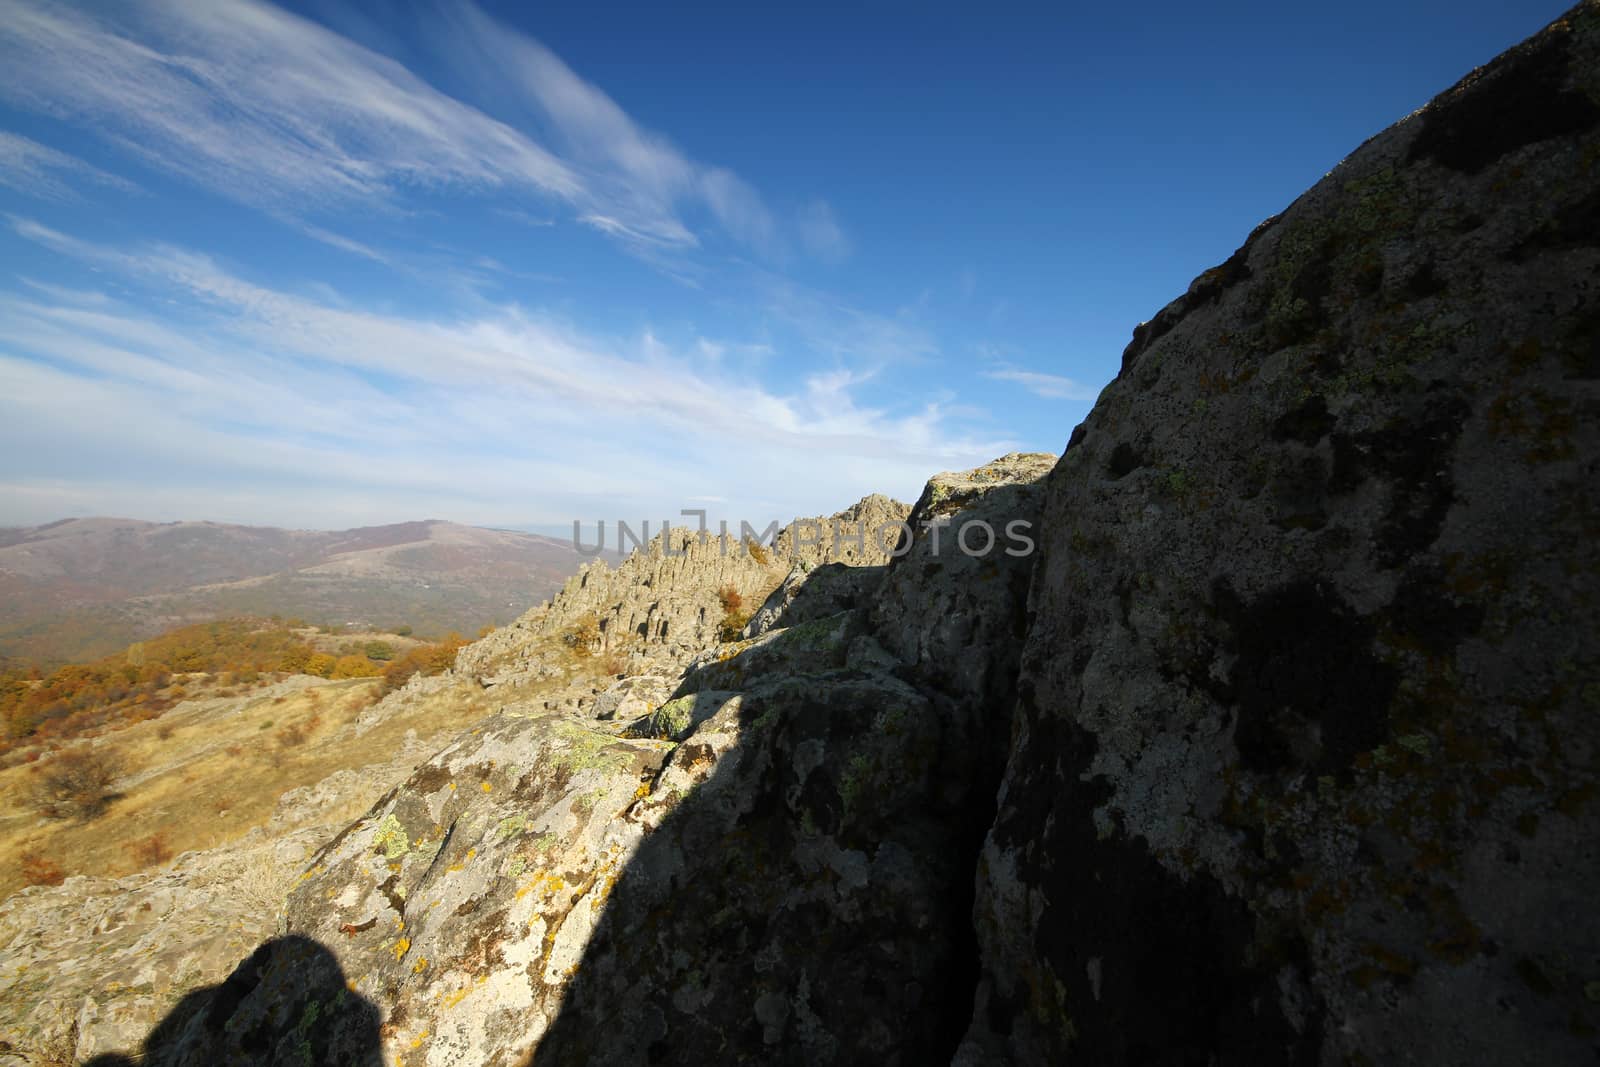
[[465, 901], [832, 805], [1305, 763], [664, 605], [1279, 749]]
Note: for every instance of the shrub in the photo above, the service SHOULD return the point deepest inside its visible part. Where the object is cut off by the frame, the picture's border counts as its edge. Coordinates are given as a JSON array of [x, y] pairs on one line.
[[584, 635], [382, 651], [294, 659], [37, 870], [297, 733], [757, 552], [76, 784], [149, 851], [355, 667], [734, 615], [401, 631], [424, 659]]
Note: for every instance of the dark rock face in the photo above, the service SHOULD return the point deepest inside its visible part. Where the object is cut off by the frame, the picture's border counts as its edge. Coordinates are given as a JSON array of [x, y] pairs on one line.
[[1305, 755], [805, 902]]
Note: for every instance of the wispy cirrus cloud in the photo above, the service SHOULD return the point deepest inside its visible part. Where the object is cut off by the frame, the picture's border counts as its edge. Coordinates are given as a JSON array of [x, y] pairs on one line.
[[30, 167], [821, 232], [640, 175], [1049, 386], [265, 387], [280, 112], [259, 104]]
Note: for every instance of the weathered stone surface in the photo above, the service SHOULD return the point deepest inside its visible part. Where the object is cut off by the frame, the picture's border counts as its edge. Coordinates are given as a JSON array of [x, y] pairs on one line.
[[91, 965], [666, 607], [807, 594], [801, 895], [743, 868], [951, 607], [1305, 759], [634, 696]]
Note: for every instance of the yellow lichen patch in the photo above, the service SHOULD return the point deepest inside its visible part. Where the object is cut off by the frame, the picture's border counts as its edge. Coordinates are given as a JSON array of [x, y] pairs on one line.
[[401, 947], [391, 839], [417, 1041], [545, 883], [450, 1000], [420, 966], [487, 787]]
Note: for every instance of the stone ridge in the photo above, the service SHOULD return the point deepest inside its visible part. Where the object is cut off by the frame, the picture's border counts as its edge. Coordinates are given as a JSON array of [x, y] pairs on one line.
[[736, 869], [667, 606]]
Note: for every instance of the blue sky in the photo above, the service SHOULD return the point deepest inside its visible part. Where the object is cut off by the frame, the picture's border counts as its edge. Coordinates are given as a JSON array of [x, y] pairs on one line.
[[325, 264]]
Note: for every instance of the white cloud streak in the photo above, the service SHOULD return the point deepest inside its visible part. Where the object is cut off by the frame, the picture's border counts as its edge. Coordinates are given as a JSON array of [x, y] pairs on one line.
[[1049, 386], [505, 416], [279, 112], [37, 170], [822, 234]]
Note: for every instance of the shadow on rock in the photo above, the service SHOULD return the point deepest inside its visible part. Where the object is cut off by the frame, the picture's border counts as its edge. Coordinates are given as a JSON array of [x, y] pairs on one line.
[[797, 907], [288, 1003]]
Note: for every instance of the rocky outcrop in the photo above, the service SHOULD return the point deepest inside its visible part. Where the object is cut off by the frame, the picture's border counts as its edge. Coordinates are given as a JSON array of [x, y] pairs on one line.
[[91, 965], [554, 882], [1305, 765], [664, 602]]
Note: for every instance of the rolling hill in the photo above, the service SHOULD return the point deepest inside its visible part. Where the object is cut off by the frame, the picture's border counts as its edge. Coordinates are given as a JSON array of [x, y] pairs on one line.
[[81, 588]]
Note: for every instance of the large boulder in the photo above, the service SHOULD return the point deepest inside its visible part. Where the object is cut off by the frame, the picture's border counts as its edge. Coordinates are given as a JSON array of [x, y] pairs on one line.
[[1305, 764]]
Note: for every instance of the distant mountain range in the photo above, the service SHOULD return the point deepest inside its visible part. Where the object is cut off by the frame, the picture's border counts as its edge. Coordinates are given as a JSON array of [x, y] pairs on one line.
[[81, 588]]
